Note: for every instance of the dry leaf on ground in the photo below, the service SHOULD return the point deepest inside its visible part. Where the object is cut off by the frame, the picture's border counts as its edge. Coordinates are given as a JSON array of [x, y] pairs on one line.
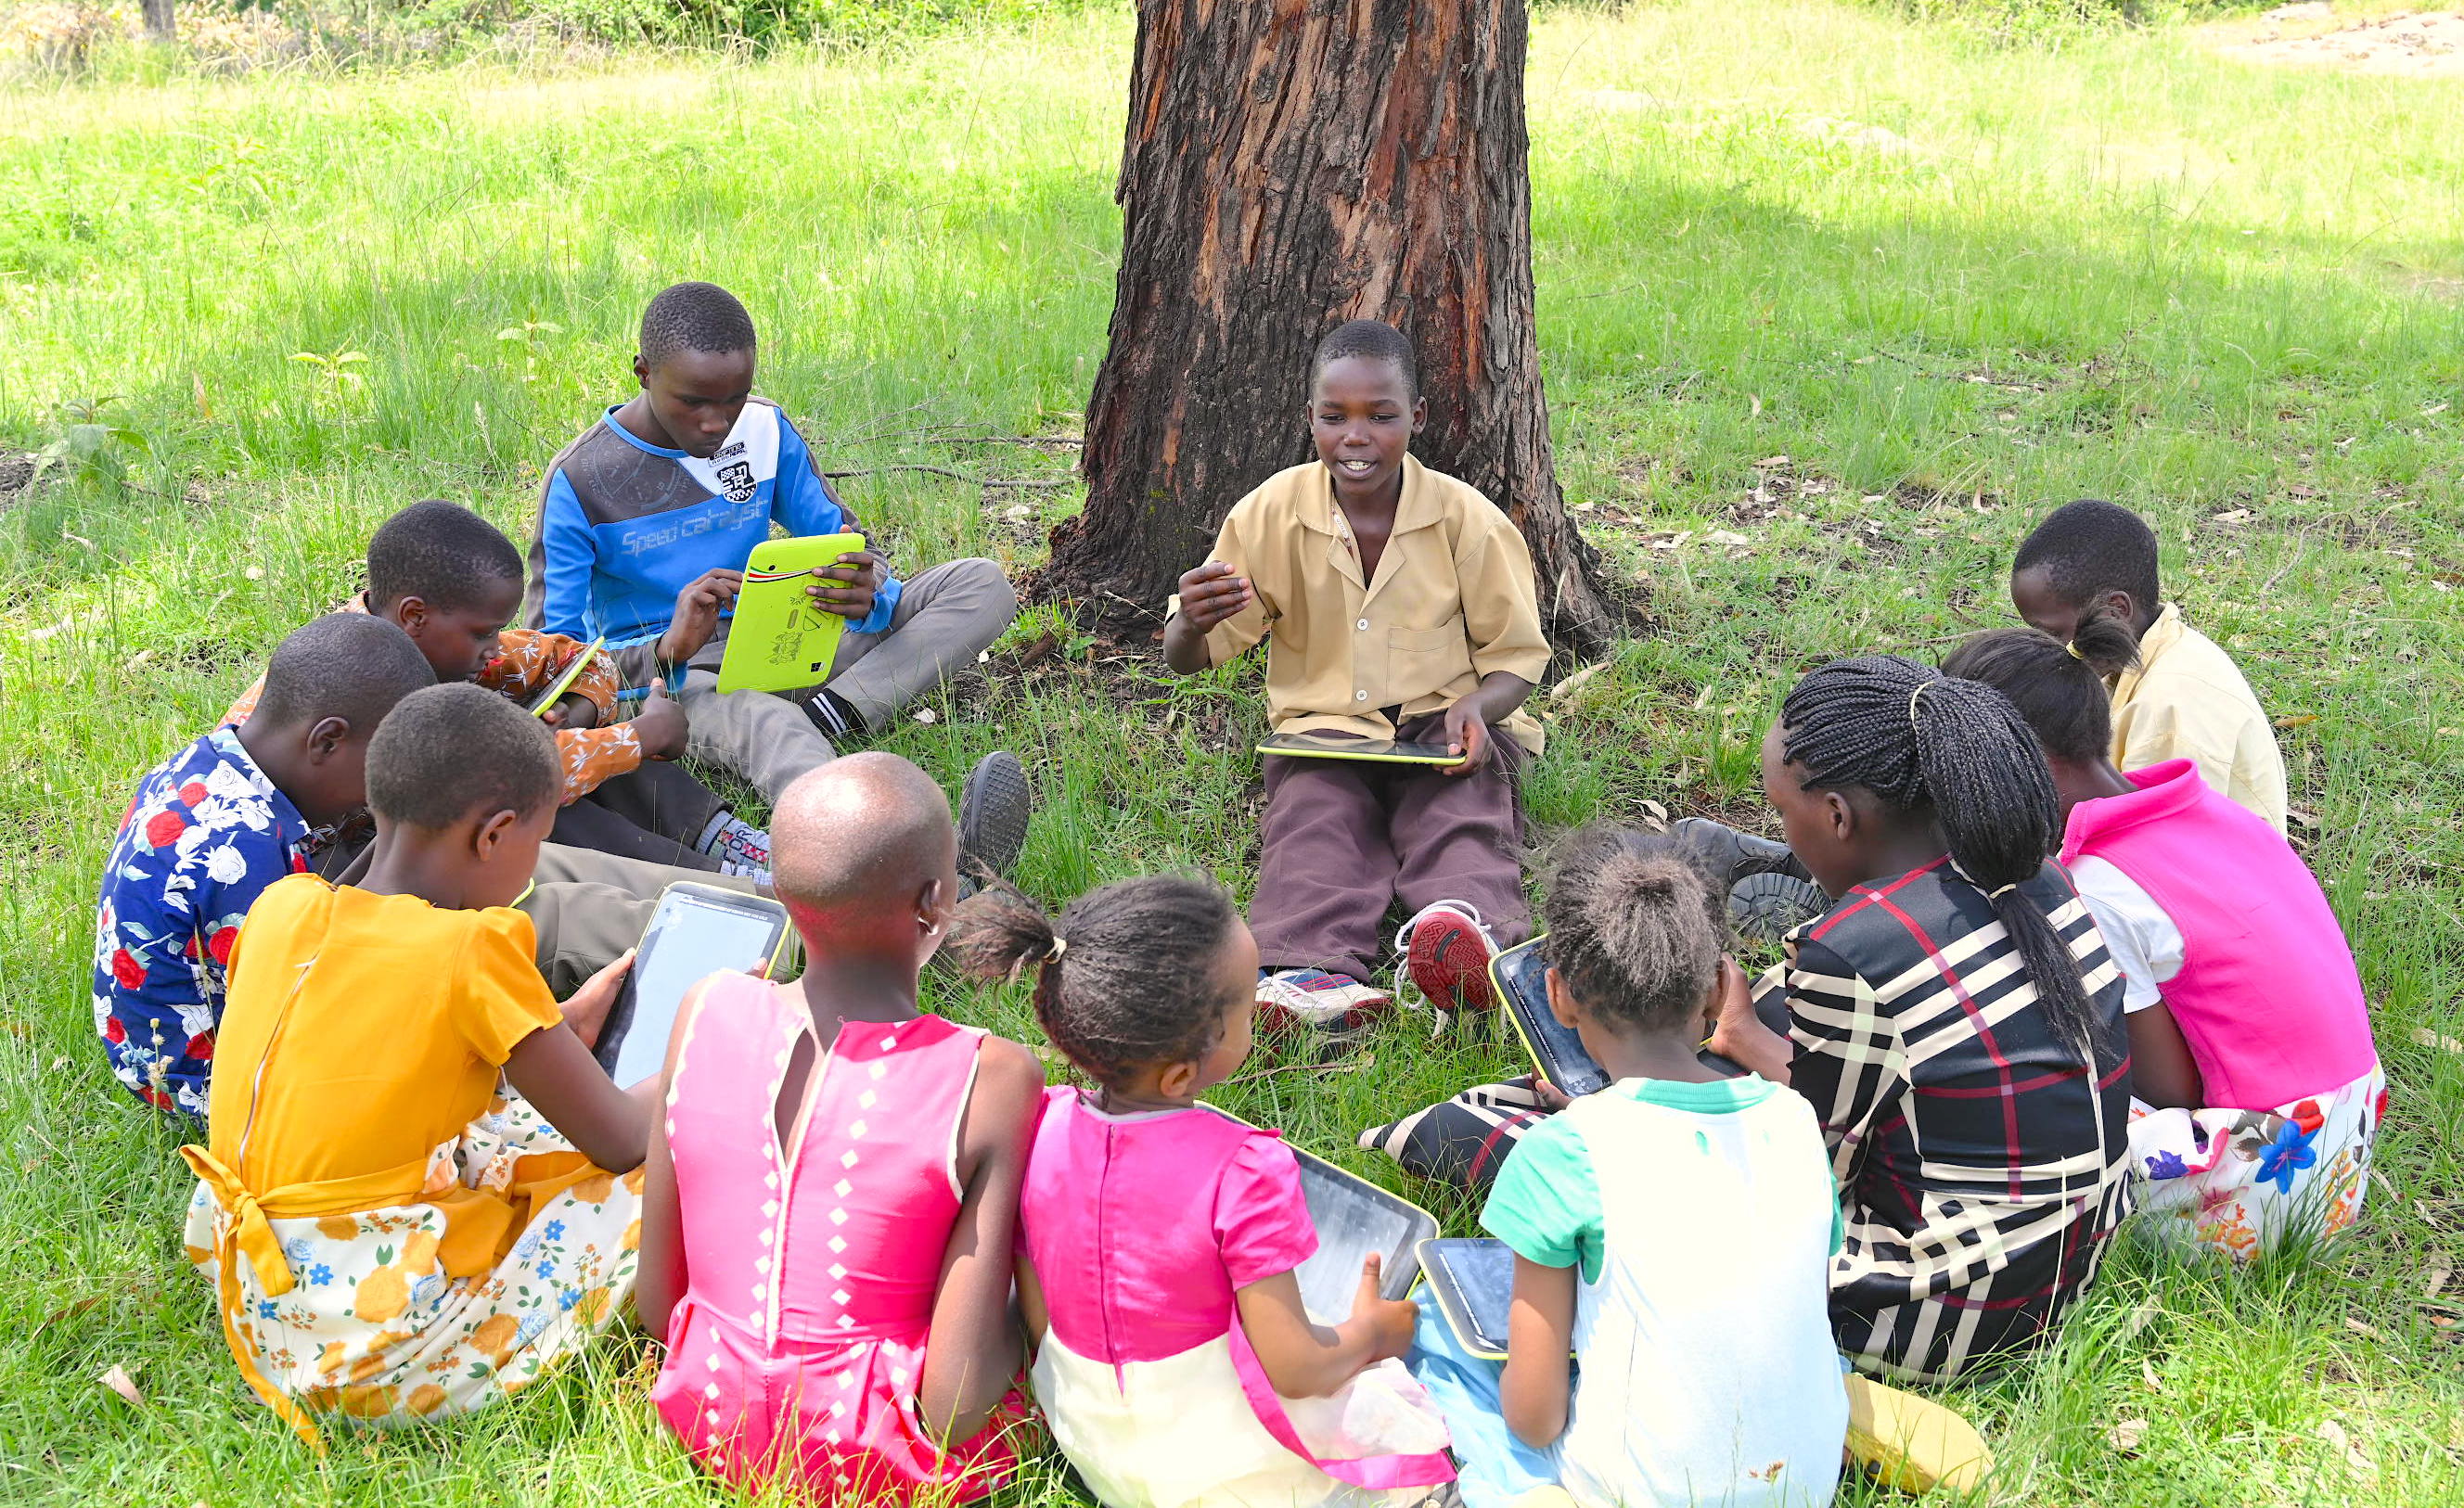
[[119, 1381]]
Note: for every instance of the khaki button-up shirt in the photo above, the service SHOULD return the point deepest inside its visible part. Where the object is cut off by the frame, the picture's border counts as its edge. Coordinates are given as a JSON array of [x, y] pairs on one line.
[[2187, 700], [1454, 600]]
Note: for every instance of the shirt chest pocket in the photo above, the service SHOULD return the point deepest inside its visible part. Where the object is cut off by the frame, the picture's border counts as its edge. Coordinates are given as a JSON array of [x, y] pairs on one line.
[[1424, 661]]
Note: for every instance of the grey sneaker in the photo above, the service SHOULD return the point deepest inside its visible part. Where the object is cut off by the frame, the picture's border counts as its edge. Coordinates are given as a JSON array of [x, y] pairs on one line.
[[993, 807], [1767, 906], [1730, 856]]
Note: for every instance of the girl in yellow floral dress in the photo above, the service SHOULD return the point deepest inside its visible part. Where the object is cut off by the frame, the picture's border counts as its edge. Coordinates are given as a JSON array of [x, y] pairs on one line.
[[419, 1192]]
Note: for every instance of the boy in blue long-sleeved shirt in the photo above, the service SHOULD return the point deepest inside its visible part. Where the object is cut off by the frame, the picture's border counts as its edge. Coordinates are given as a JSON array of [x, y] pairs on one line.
[[685, 478]]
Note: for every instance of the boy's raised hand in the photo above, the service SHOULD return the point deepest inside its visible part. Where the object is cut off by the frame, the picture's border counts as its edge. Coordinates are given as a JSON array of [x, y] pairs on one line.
[[848, 587], [696, 617], [660, 725], [1210, 593]]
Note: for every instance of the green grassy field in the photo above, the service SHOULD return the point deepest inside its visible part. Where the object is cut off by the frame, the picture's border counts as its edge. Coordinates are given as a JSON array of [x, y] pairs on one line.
[[1831, 309]]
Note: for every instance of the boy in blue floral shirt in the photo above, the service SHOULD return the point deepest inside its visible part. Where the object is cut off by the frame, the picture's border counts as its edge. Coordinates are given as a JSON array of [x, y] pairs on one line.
[[214, 825]]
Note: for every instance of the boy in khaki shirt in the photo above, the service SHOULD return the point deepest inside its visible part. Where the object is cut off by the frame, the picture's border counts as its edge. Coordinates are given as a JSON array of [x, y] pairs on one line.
[[1401, 604], [2186, 699]]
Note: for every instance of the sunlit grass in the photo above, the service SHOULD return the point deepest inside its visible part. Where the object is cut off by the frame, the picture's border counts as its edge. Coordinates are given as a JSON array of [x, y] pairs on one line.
[[1931, 288]]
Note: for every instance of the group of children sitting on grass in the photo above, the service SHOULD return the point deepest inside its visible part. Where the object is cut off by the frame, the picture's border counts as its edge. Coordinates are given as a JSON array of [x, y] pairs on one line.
[[2058, 961]]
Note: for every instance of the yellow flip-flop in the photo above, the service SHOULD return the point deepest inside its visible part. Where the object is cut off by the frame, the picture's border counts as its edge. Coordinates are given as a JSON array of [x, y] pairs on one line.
[[1911, 1443]]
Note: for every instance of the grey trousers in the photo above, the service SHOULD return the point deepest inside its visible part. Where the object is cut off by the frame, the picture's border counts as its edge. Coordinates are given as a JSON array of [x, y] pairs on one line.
[[946, 616], [588, 906]]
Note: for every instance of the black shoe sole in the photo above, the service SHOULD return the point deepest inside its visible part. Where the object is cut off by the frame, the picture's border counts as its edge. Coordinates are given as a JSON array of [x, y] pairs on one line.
[[994, 809], [1768, 906]]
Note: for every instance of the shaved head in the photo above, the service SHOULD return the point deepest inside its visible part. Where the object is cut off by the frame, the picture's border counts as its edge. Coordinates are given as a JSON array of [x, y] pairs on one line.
[[861, 835]]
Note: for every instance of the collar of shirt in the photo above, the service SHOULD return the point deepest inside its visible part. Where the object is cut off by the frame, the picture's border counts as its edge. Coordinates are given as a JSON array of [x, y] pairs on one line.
[[223, 746], [2162, 635], [1417, 509]]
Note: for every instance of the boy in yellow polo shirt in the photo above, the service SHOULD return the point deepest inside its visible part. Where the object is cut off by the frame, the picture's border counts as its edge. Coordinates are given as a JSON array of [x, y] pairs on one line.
[[2186, 699], [1400, 604]]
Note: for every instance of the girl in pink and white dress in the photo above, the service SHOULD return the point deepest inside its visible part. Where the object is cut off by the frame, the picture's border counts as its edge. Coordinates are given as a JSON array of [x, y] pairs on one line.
[[1158, 1240], [830, 1195]]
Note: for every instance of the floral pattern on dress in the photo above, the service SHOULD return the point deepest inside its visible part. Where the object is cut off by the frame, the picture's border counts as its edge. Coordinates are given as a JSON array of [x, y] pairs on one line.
[[204, 834], [373, 1329], [2238, 1183]]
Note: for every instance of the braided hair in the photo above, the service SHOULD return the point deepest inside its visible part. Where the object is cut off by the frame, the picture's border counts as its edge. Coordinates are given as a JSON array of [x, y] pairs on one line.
[[1921, 740], [2058, 688], [1122, 976], [1633, 927]]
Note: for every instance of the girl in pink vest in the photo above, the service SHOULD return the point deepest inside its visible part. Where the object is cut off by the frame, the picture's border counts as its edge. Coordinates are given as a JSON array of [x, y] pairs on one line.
[[2256, 1089], [1158, 1240], [830, 1198]]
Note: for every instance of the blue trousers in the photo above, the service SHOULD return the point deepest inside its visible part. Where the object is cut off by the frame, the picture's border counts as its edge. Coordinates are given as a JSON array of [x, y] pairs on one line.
[[1492, 1467]]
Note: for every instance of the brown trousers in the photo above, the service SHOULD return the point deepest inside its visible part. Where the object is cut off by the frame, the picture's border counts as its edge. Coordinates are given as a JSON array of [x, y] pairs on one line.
[[1342, 841]]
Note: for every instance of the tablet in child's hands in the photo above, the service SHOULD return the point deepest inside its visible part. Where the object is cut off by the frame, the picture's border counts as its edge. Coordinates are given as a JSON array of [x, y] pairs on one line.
[[1355, 1218], [1473, 1283], [1521, 975], [1374, 750], [779, 638], [565, 677], [696, 931]]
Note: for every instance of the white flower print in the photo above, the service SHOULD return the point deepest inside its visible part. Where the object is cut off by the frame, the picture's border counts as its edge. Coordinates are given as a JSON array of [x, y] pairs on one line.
[[225, 865]]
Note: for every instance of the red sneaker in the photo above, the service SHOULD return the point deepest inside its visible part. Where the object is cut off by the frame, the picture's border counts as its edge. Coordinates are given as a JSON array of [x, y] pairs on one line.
[[1445, 955]]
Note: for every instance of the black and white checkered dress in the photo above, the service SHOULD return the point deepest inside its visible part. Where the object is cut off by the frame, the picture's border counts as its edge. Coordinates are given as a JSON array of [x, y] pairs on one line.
[[1981, 1164]]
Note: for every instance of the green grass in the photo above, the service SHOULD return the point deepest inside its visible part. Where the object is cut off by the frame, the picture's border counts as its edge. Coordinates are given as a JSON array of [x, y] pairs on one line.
[[2120, 269]]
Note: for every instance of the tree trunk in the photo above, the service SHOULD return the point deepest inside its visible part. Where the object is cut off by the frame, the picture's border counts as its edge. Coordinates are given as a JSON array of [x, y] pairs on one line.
[[1291, 165], [159, 22]]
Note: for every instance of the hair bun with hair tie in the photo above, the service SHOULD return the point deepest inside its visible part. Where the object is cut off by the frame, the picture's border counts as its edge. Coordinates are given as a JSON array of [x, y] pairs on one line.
[[2073, 650]]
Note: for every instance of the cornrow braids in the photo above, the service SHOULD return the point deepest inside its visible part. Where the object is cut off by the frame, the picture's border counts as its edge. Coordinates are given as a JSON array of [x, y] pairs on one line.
[[1632, 927], [1918, 740], [1121, 979], [2058, 688]]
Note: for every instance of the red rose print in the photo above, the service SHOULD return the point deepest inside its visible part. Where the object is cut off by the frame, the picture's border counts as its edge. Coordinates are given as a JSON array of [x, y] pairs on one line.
[[192, 949], [126, 969], [2307, 1116], [193, 793], [220, 944], [113, 1032], [163, 829], [202, 1046], [125, 815], [158, 1099]]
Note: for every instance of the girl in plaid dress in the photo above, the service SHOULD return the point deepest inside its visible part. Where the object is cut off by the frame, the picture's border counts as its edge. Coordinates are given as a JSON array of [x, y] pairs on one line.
[[1954, 1017]]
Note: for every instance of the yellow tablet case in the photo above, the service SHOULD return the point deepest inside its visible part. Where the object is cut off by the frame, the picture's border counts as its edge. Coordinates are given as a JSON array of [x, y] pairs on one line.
[[780, 639], [565, 678], [1371, 751]]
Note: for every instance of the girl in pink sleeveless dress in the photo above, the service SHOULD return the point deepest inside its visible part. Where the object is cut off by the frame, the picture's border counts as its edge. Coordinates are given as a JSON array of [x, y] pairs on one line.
[[1174, 1364], [827, 1153]]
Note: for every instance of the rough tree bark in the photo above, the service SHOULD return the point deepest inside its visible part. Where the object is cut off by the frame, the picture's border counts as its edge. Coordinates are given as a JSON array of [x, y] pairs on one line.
[[1290, 165]]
